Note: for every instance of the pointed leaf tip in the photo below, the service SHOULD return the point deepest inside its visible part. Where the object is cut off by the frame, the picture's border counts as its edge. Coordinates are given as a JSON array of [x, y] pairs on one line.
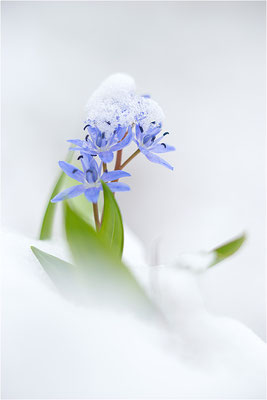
[[228, 249]]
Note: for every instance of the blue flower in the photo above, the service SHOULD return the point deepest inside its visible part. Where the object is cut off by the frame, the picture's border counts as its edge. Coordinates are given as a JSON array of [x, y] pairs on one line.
[[90, 180], [101, 144], [148, 143]]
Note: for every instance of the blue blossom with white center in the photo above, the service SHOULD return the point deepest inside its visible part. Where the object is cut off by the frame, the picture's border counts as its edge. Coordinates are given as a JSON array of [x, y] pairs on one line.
[[90, 184], [149, 144], [102, 144]]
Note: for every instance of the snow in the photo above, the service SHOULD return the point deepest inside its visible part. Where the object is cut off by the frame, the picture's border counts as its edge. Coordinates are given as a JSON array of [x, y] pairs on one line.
[[116, 101], [52, 348], [197, 262]]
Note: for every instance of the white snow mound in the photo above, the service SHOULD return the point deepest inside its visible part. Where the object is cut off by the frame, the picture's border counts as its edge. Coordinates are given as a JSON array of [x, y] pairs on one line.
[[52, 348]]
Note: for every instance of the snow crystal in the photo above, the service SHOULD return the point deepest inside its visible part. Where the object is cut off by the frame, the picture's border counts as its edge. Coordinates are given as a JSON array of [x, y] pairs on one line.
[[117, 102]]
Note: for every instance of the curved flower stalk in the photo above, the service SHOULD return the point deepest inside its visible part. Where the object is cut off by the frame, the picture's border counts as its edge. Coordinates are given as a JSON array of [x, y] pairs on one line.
[[102, 144], [90, 180], [149, 144]]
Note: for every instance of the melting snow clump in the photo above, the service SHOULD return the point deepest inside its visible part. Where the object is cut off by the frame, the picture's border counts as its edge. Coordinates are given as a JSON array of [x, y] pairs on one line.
[[116, 102]]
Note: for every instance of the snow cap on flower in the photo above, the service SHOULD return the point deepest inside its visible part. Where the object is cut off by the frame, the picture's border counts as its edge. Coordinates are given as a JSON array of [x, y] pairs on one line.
[[116, 103]]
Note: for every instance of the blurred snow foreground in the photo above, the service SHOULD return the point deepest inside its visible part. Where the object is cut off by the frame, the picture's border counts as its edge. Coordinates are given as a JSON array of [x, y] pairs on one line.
[[53, 348]]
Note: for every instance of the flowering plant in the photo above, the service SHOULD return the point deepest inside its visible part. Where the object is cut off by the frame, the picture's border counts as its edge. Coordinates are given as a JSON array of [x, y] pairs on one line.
[[116, 117]]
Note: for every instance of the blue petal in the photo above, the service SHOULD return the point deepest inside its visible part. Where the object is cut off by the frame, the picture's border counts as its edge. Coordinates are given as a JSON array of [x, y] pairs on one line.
[[93, 131], [161, 148], [118, 187], [100, 168], [92, 194], [136, 142], [93, 164], [76, 148], [69, 193], [158, 139], [120, 132], [114, 175], [83, 145], [86, 160], [88, 151], [156, 159], [124, 141], [71, 171], [106, 156], [138, 132], [154, 130], [77, 142]]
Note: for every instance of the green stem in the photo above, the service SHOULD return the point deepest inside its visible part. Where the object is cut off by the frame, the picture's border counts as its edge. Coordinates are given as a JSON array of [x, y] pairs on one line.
[[96, 216], [129, 159], [119, 154], [118, 160]]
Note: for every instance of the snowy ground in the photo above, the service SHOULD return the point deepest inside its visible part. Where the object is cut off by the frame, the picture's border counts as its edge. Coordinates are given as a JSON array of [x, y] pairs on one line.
[[52, 348]]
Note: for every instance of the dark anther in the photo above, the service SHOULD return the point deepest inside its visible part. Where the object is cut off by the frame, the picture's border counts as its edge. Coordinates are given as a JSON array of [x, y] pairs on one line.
[[153, 122], [166, 133], [75, 170], [85, 127], [89, 170], [79, 157], [103, 135], [153, 139], [86, 137], [108, 122], [141, 129], [163, 144]]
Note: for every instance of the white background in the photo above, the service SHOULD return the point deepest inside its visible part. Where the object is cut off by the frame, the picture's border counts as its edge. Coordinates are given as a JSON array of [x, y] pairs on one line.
[[204, 62]]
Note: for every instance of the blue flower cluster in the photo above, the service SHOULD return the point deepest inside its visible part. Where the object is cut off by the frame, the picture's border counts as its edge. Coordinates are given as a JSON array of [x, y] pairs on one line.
[[149, 144], [90, 180], [100, 144], [103, 145]]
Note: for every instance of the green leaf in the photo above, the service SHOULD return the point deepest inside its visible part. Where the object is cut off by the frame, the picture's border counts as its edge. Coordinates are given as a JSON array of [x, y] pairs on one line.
[[82, 206], [82, 238], [47, 223], [228, 249], [60, 272], [112, 227], [102, 271]]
